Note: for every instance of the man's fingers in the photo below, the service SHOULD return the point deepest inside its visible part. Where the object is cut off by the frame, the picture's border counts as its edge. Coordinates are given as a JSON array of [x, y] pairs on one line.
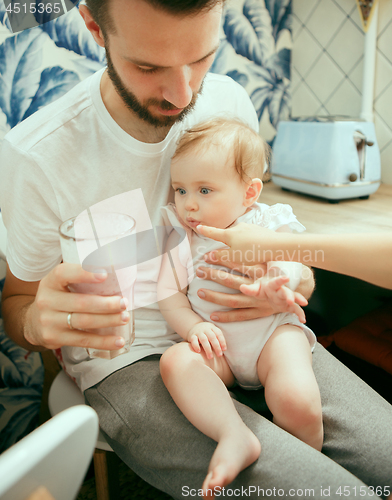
[[241, 315], [231, 258], [222, 277], [65, 274], [79, 338], [255, 272], [232, 300], [224, 257], [80, 302], [84, 321]]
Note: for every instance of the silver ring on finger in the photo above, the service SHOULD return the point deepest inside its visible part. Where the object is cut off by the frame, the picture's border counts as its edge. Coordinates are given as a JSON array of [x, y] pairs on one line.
[[69, 321]]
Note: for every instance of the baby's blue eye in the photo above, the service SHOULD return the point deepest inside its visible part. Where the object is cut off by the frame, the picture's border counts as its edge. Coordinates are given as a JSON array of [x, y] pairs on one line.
[[205, 190], [181, 191]]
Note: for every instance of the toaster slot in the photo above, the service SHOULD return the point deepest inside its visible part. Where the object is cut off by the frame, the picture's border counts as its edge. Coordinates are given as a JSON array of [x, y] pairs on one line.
[[361, 142]]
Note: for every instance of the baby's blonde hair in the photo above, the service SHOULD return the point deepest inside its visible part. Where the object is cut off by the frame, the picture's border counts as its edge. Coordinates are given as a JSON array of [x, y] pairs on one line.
[[250, 151]]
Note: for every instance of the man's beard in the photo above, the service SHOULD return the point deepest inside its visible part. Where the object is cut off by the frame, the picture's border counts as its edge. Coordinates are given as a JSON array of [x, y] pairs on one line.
[[141, 109]]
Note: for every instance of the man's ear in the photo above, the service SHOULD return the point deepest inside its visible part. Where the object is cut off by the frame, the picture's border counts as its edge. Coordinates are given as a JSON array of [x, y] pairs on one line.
[[253, 192], [91, 25]]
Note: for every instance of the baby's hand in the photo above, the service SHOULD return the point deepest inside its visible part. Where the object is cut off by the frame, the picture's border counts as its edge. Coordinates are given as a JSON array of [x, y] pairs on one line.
[[280, 298], [209, 336]]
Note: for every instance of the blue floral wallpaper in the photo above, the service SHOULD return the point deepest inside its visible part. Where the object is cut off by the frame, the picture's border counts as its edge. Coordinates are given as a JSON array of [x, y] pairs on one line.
[[40, 64], [255, 51]]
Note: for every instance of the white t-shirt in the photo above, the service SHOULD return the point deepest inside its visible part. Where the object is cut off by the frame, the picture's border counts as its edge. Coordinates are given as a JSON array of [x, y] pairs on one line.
[[72, 155]]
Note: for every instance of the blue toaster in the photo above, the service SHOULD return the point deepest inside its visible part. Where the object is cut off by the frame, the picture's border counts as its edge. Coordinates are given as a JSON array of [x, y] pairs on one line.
[[327, 157]]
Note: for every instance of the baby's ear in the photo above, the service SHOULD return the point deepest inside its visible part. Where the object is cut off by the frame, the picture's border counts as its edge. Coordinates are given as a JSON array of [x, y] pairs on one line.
[[253, 192]]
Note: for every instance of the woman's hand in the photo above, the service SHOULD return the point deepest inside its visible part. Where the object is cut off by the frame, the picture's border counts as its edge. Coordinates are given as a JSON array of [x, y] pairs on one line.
[[248, 244], [245, 256]]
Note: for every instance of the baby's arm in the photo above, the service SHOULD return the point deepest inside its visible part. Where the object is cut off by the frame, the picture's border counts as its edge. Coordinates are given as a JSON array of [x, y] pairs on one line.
[[177, 311], [301, 278]]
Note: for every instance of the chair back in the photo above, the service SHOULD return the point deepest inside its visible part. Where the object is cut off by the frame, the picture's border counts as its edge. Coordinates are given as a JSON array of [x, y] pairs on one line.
[[56, 455]]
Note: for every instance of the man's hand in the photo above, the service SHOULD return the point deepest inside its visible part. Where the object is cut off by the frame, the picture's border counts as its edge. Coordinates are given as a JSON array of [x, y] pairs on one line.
[[209, 337], [45, 322], [281, 298], [243, 307]]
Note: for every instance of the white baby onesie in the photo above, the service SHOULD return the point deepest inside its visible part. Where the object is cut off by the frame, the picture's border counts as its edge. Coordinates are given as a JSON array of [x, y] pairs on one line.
[[245, 340]]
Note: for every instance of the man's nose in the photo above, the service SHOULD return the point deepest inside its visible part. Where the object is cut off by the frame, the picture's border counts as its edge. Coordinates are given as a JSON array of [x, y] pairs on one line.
[[178, 90]]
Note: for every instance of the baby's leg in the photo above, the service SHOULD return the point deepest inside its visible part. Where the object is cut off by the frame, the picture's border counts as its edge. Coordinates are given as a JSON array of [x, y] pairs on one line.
[[198, 387], [291, 391]]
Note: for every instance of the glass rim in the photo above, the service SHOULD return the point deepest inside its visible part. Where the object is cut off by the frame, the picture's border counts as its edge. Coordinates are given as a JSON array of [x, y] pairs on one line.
[[73, 238]]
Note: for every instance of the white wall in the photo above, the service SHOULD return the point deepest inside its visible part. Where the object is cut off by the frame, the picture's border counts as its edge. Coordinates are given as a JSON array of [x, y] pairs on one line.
[[327, 60]]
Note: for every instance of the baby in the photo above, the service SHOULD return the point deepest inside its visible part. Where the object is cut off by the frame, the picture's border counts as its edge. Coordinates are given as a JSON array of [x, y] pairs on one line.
[[215, 175]]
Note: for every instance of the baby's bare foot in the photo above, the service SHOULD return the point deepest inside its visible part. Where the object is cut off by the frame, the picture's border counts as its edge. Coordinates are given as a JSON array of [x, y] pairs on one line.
[[234, 453]]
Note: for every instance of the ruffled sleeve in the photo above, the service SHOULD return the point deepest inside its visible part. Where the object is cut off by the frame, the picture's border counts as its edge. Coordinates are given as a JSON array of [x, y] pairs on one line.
[[276, 217]]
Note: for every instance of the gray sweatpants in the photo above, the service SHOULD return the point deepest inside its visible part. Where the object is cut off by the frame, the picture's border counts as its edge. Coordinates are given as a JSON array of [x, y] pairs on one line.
[[145, 428]]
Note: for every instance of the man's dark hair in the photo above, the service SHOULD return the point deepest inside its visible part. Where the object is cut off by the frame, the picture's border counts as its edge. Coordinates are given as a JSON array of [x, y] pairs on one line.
[[100, 9]]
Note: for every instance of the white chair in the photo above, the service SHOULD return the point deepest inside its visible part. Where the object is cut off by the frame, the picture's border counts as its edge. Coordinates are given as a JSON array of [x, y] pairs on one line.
[[55, 456], [64, 394]]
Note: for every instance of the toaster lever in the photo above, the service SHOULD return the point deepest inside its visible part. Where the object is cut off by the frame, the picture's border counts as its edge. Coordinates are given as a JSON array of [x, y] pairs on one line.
[[361, 142]]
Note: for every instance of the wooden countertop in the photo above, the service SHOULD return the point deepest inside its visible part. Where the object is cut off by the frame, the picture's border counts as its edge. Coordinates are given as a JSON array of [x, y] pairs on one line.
[[349, 216]]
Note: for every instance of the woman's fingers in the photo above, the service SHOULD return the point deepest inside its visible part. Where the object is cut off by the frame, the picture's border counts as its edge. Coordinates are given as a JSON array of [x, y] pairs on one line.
[[213, 233]]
